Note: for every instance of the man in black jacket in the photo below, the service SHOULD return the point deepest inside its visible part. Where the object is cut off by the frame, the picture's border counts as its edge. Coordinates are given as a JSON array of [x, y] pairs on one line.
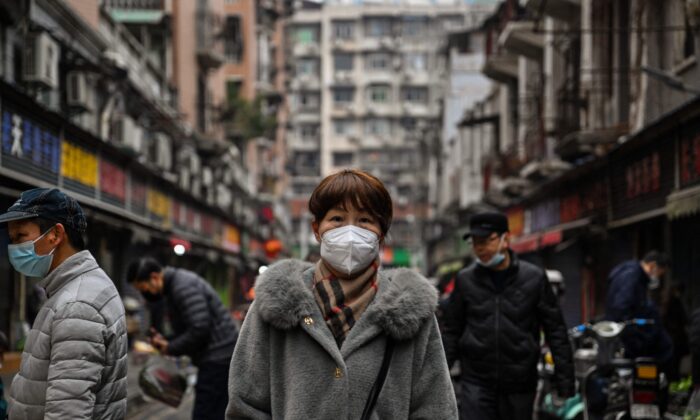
[[203, 329], [492, 326]]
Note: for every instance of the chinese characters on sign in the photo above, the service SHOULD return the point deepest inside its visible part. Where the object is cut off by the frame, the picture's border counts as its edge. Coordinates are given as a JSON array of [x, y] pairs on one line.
[[643, 176], [690, 160], [28, 142]]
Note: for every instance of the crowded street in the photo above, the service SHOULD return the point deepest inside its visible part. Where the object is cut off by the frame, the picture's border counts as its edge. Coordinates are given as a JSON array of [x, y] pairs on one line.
[[350, 209]]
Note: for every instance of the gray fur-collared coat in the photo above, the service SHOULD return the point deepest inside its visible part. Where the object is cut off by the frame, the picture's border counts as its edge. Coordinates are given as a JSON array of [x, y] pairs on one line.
[[287, 365]]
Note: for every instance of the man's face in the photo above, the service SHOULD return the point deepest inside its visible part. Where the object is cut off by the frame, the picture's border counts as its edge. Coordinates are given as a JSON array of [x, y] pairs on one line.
[[21, 231], [656, 270], [485, 247], [151, 287]]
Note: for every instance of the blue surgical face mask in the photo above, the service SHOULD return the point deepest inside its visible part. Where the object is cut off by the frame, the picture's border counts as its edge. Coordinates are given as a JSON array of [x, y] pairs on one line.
[[496, 260], [24, 259]]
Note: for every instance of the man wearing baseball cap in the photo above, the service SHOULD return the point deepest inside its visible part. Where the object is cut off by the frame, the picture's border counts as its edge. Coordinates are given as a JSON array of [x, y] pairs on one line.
[[74, 359], [493, 321]]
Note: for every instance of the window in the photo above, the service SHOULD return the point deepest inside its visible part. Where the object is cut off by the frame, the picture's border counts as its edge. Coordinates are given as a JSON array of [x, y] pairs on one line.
[[343, 95], [307, 66], [342, 62], [309, 131], [378, 27], [414, 27], [233, 90], [416, 61], [378, 61], [415, 94], [306, 163], [452, 22], [306, 35], [233, 39], [377, 127], [342, 158], [408, 124], [308, 101], [343, 127], [343, 30], [379, 93]]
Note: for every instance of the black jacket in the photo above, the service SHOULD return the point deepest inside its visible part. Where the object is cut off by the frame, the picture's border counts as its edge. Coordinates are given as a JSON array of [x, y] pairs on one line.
[[203, 328], [496, 336], [627, 299]]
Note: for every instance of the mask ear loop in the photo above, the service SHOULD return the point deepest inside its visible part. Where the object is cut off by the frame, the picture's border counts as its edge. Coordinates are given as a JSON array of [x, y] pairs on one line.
[[42, 235]]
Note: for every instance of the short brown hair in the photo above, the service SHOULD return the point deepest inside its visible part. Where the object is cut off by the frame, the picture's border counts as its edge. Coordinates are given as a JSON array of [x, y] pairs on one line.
[[358, 188]]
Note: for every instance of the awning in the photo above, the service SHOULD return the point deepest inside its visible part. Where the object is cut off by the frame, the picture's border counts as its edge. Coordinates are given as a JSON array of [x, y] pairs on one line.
[[549, 237], [683, 203], [137, 16]]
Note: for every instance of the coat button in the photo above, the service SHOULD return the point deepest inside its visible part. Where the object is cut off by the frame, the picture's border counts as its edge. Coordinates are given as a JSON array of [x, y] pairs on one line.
[[338, 372], [308, 320]]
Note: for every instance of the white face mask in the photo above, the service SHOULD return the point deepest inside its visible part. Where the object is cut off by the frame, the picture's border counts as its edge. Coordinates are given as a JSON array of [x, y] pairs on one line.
[[349, 249]]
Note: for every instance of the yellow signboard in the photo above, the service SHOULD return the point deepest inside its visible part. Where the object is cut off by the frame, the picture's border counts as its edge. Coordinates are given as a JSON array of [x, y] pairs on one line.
[[78, 164], [159, 204]]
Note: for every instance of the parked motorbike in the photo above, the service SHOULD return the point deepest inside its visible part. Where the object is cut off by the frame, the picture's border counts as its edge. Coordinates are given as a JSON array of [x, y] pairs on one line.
[[612, 386]]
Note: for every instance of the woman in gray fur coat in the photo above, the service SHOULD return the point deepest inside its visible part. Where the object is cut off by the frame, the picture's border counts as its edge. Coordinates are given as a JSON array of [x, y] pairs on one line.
[[314, 340]]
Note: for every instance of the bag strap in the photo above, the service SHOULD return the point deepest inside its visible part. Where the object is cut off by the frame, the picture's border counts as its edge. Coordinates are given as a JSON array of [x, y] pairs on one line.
[[379, 383]]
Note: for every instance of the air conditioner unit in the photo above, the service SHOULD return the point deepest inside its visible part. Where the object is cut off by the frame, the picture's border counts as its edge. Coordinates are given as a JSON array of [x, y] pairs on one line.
[[79, 91], [41, 60]]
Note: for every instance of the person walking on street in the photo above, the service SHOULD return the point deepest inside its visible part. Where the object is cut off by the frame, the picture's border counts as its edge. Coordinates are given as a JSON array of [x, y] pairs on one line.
[[203, 329], [74, 361], [493, 321], [628, 298], [341, 338]]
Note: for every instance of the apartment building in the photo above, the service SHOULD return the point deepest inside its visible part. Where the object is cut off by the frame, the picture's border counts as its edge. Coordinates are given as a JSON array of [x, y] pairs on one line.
[[366, 89]]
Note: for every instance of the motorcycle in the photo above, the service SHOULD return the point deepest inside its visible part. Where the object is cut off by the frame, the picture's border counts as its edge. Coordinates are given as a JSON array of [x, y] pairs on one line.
[[612, 386]]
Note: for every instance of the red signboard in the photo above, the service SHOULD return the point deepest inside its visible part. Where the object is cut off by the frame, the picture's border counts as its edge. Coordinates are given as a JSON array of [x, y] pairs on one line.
[[690, 160], [643, 176], [112, 180]]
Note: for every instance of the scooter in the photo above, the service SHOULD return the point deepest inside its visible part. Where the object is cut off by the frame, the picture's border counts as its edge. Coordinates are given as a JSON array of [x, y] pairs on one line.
[[614, 387]]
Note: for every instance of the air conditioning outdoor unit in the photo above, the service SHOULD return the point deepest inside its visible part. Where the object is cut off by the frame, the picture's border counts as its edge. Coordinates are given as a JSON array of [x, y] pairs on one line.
[[40, 63], [79, 91]]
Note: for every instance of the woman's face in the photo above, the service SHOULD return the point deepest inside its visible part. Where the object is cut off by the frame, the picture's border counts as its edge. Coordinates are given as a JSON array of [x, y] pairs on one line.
[[337, 217]]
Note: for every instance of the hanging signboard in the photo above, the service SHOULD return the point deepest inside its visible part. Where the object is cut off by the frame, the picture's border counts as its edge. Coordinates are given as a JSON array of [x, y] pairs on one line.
[[689, 160], [79, 168], [641, 181], [545, 215], [112, 183], [231, 239], [29, 147]]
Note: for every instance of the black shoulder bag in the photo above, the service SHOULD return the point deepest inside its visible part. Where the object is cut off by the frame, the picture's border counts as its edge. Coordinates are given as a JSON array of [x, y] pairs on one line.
[[379, 383]]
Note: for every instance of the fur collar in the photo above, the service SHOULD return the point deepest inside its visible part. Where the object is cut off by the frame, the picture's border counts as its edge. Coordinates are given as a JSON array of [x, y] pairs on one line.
[[403, 302]]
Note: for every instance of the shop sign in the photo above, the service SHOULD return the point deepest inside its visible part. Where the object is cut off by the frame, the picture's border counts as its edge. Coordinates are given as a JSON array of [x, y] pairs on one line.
[[643, 176], [545, 215], [516, 220], [138, 197], [158, 205], [231, 239], [689, 161], [640, 182], [112, 182], [587, 198], [29, 148]]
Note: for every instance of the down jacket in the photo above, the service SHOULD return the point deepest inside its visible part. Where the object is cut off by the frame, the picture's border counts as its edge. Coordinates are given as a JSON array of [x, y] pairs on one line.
[[496, 336], [74, 360], [287, 364], [204, 329]]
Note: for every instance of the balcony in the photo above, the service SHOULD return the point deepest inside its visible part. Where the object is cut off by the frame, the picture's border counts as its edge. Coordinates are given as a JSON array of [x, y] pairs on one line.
[[501, 67], [519, 37], [306, 50], [210, 48]]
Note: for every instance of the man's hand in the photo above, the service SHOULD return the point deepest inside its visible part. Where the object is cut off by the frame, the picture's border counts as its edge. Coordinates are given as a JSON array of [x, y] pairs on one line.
[[158, 341]]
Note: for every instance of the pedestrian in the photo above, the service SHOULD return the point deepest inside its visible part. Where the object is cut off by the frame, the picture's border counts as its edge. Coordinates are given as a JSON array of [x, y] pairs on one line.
[[342, 339], [203, 329], [75, 357], [628, 298], [492, 326]]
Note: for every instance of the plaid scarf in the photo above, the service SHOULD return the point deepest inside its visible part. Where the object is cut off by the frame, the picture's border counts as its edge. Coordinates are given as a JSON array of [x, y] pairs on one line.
[[342, 301]]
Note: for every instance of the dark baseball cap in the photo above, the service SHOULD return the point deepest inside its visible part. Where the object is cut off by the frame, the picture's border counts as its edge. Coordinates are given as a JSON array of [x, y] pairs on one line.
[[484, 224], [47, 203]]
